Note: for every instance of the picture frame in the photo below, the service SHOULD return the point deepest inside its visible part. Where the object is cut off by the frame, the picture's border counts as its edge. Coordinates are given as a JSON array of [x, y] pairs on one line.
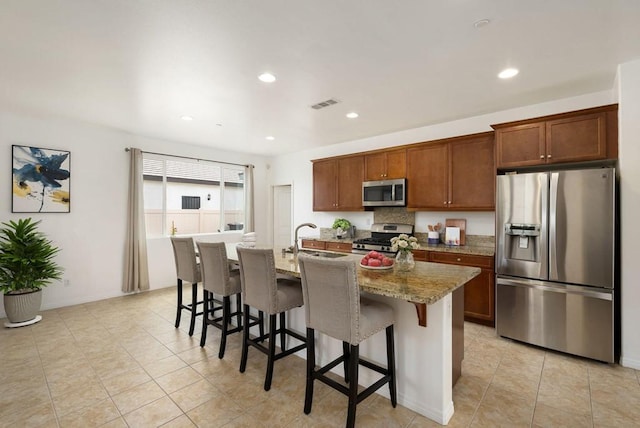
[[41, 180]]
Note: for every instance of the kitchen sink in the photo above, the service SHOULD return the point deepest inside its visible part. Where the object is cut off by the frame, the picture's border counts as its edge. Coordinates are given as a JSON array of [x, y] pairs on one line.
[[323, 254]]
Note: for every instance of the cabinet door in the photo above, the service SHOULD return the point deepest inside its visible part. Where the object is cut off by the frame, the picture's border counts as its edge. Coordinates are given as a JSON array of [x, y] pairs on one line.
[[341, 247], [581, 138], [396, 164], [312, 243], [479, 297], [520, 145], [472, 174], [349, 184], [479, 293], [385, 165], [324, 185], [427, 182], [375, 166]]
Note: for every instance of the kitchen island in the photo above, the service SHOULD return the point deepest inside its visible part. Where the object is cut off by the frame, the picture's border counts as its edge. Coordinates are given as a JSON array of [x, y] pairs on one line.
[[429, 346]]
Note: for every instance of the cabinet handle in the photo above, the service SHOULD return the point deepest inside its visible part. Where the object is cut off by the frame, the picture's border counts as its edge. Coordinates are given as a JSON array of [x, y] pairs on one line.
[[541, 156], [458, 259], [548, 156], [445, 202]]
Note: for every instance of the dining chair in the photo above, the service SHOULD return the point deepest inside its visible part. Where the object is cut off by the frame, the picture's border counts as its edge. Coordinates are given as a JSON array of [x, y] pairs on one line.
[[219, 278], [262, 290], [333, 306], [187, 269]]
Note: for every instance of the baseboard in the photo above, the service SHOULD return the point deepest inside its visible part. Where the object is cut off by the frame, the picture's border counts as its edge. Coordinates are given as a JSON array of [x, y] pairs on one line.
[[441, 417], [630, 362]]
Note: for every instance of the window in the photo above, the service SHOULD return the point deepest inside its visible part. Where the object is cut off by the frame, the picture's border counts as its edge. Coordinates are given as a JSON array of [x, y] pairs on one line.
[[191, 196]]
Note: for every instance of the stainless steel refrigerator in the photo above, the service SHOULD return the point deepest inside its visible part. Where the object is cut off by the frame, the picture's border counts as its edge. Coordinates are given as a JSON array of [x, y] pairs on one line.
[[556, 260]]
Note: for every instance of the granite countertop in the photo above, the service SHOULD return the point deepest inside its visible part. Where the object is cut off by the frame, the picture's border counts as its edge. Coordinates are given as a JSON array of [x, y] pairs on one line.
[[426, 283], [472, 250]]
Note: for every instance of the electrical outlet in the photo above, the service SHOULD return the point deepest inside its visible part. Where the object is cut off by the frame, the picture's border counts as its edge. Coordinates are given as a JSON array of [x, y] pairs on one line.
[[66, 282]]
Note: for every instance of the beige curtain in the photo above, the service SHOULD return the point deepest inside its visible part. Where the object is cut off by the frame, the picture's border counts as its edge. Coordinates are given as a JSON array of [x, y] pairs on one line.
[[136, 271], [249, 223]]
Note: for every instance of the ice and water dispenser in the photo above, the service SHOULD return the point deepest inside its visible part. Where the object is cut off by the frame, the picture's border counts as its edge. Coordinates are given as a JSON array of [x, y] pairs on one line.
[[522, 242]]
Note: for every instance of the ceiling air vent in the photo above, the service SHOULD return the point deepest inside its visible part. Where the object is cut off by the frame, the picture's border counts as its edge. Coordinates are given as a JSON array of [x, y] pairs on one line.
[[324, 104]]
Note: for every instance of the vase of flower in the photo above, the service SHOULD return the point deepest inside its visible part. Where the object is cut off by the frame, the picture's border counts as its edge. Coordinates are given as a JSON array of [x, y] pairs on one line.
[[404, 261], [403, 244]]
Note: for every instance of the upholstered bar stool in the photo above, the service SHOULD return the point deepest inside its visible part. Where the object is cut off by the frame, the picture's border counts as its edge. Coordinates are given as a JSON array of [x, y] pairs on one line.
[[333, 306], [218, 278], [188, 270], [274, 296]]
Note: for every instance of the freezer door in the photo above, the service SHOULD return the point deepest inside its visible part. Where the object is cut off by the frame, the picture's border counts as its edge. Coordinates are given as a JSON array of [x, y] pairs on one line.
[[574, 319], [521, 225], [582, 227]]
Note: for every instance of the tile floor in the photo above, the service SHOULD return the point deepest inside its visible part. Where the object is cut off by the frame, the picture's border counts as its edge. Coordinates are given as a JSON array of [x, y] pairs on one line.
[[120, 362]]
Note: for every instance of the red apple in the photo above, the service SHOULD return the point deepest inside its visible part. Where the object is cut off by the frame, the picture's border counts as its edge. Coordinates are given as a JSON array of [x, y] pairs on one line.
[[364, 261], [387, 261], [375, 262], [373, 254]]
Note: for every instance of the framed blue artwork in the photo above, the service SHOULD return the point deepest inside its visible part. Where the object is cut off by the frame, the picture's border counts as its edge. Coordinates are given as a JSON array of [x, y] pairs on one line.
[[41, 180]]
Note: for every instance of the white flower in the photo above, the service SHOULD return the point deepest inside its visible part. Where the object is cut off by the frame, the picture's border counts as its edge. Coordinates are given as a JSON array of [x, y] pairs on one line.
[[404, 242]]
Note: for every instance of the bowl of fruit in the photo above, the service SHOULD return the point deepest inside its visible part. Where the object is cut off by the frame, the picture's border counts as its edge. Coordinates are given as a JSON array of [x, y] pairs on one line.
[[376, 261]]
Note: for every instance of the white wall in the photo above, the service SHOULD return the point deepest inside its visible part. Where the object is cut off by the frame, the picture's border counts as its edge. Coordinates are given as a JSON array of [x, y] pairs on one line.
[[92, 235], [629, 137], [296, 168]]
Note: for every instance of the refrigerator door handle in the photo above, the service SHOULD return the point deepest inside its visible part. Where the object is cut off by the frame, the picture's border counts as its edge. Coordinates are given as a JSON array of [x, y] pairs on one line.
[[566, 289], [553, 212]]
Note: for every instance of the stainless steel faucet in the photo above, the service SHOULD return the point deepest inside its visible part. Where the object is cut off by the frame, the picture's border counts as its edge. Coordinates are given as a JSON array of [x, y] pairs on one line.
[[295, 244]]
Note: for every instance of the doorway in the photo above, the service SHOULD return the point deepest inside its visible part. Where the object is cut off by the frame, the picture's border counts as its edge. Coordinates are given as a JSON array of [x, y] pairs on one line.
[[282, 216]]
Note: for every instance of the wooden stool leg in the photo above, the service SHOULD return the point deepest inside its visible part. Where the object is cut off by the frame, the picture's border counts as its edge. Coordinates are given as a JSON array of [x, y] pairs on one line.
[[179, 294], [311, 364], [283, 325], [391, 366], [261, 325], [354, 356], [205, 318], [238, 309], [245, 338], [272, 352], [194, 307], [226, 319], [345, 354]]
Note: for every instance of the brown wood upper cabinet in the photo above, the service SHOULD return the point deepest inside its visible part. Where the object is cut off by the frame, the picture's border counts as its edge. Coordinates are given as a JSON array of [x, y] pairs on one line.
[[385, 165], [584, 135], [337, 184], [454, 173]]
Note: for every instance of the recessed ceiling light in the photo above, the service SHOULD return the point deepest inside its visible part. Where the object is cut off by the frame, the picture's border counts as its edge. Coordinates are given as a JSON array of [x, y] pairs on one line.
[[186, 117], [481, 23], [270, 137], [352, 115], [218, 124], [267, 77], [508, 73]]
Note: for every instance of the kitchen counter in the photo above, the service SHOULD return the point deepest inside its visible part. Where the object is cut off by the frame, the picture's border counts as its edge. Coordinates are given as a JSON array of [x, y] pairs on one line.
[[472, 250], [429, 352]]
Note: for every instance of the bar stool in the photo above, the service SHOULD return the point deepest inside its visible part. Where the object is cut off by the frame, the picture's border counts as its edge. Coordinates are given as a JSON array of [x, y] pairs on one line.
[[274, 296], [188, 270], [220, 279], [333, 306]]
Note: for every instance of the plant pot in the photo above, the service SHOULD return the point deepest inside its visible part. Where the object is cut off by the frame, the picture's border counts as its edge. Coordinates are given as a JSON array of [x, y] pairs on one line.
[[22, 307]]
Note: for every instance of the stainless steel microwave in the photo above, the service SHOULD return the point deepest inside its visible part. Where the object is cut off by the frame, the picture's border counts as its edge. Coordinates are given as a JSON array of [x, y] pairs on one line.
[[384, 193]]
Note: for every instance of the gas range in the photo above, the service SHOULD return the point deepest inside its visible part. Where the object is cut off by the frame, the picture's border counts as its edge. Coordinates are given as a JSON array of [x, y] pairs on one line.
[[380, 240]]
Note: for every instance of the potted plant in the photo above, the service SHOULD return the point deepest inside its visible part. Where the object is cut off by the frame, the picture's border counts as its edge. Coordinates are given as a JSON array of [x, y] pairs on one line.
[[26, 266], [341, 226]]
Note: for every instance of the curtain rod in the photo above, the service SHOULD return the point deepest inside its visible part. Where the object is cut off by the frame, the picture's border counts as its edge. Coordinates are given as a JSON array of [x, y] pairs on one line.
[[127, 149]]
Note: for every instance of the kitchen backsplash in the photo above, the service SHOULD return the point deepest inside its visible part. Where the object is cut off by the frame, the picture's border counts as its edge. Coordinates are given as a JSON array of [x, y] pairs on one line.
[[394, 215]]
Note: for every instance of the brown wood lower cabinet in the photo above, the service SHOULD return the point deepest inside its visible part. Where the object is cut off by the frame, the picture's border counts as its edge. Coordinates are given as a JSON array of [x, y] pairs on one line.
[[479, 293], [340, 247], [312, 243]]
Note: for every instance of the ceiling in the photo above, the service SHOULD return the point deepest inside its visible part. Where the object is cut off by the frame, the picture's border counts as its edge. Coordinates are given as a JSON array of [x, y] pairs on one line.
[[140, 65]]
